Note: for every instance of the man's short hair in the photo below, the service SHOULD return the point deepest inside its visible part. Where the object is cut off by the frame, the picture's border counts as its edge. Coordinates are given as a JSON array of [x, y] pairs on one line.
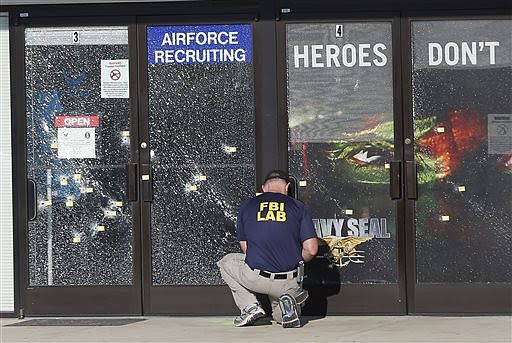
[[277, 174]]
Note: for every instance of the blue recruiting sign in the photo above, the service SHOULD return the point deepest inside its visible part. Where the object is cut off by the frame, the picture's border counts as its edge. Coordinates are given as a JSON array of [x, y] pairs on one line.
[[205, 44]]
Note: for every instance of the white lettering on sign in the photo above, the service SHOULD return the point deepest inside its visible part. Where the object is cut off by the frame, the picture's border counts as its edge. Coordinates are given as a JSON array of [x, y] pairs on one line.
[[200, 56], [463, 53], [368, 227], [77, 121], [354, 227], [348, 55], [200, 38]]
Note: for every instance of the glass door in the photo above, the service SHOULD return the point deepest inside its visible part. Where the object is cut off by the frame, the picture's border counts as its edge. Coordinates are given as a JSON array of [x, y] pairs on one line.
[[198, 159], [341, 108], [461, 72], [82, 253]]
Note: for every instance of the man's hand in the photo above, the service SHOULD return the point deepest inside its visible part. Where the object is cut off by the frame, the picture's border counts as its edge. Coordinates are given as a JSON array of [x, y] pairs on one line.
[[309, 249], [243, 246]]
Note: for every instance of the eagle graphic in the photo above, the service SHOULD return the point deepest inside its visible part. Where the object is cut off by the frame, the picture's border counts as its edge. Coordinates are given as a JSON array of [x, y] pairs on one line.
[[74, 84], [342, 250]]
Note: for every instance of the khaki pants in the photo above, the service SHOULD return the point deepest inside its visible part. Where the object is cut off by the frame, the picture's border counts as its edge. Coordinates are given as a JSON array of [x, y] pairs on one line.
[[245, 282]]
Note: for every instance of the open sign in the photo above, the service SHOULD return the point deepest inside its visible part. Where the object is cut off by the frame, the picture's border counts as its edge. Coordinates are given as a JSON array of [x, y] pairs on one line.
[[77, 121]]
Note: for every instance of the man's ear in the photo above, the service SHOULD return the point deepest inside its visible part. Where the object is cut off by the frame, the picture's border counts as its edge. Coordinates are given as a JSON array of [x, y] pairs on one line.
[[287, 186], [264, 187]]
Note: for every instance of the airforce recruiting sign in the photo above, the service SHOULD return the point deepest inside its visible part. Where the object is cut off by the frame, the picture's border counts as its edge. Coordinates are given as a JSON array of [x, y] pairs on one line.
[[205, 44]]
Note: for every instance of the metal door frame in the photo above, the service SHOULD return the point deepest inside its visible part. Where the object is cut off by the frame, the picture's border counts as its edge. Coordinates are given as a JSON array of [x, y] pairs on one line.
[[206, 299], [418, 298], [69, 300], [439, 297], [271, 152], [385, 298]]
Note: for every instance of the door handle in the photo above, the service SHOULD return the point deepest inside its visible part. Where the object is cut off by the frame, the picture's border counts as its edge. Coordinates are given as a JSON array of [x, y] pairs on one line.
[[411, 178], [395, 179], [293, 190], [131, 181], [31, 200], [147, 183]]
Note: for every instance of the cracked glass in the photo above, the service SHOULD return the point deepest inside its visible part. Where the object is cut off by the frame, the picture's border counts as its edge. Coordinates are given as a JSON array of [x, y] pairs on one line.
[[78, 143], [462, 111], [341, 140], [201, 123]]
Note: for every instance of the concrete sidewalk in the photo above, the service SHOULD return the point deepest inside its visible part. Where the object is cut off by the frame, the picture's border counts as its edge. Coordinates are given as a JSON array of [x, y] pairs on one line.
[[332, 329]]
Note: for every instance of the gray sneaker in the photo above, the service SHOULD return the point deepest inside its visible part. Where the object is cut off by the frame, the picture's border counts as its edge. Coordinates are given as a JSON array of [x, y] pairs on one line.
[[249, 315], [301, 297], [288, 307]]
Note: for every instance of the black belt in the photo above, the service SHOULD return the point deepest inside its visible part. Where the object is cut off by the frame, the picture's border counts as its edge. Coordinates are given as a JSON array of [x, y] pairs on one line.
[[278, 276]]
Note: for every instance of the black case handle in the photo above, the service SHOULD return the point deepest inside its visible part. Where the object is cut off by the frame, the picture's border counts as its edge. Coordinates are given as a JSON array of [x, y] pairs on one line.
[[411, 177], [395, 179], [31, 200], [131, 181], [293, 189]]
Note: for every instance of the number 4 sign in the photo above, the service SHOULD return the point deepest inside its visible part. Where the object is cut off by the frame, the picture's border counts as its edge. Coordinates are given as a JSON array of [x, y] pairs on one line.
[[339, 31]]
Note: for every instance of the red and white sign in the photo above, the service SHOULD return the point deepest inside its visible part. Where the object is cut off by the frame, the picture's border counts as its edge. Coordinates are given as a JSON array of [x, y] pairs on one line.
[[77, 121], [76, 136]]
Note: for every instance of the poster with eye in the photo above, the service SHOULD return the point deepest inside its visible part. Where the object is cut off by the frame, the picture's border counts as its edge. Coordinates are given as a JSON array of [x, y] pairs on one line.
[[341, 140]]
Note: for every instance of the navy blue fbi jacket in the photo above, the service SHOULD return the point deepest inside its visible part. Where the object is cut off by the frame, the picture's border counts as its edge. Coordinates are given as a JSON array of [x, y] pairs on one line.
[[274, 226]]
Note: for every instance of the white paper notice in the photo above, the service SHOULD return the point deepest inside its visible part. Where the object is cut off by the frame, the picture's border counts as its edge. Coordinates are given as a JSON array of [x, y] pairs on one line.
[[499, 128], [115, 79], [76, 142]]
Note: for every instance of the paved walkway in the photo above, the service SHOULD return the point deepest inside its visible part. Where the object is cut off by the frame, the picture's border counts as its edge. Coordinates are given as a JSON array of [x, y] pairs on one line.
[[331, 329]]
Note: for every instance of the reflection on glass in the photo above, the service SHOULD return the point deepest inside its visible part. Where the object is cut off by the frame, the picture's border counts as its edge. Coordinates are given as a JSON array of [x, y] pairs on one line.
[[340, 112], [462, 114]]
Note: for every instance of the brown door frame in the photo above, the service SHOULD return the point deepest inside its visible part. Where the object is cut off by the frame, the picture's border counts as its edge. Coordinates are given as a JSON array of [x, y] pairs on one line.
[[271, 143], [356, 298], [423, 298], [68, 300], [183, 299]]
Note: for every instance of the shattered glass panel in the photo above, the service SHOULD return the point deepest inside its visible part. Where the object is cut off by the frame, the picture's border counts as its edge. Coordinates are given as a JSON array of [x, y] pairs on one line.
[[193, 220], [201, 119], [340, 113], [77, 148], [462, 102]]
